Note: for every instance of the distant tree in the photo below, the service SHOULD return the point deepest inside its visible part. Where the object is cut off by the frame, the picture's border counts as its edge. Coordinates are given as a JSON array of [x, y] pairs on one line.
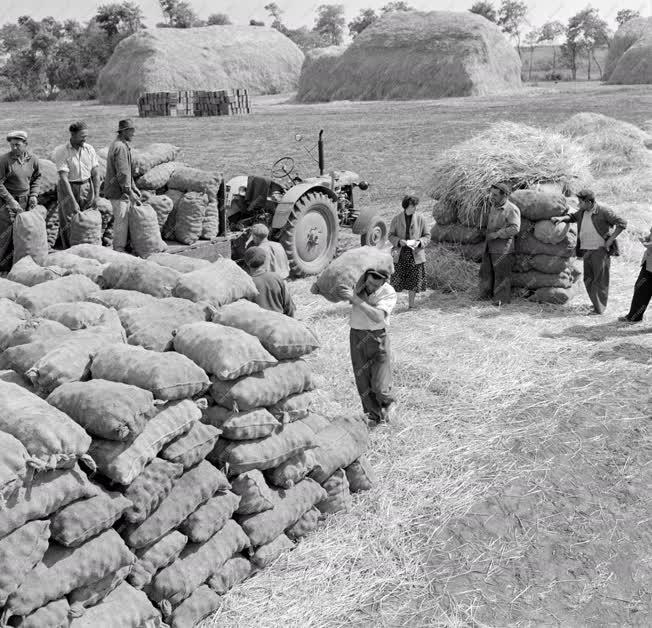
[[511, 18], [253, 22], [179, 13], [595, 33], [119, 18], [276, 13], [624, 15], [550, 32], [330, 23], [365, 18], [218, 19], [485, 9], [531, 39], [390, 7]]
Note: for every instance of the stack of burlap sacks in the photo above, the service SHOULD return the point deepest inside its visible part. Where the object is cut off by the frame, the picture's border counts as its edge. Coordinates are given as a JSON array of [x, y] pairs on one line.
[[192, 410], [544, 268]]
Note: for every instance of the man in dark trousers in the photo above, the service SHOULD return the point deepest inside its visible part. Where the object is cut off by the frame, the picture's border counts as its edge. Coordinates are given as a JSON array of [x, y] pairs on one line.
[[503, 224], [642, 287], [273, 293], [372, 300], [597, 230], [20, 178]]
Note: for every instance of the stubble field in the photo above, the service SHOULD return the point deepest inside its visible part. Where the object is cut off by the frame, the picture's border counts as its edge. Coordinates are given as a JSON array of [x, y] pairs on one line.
[[515, 483]]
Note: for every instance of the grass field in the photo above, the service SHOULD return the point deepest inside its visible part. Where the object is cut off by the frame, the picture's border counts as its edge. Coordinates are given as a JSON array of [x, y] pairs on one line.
[[514, 486]]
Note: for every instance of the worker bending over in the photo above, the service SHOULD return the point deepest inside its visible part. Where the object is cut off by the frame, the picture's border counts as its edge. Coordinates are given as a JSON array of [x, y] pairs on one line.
[[273, 293]]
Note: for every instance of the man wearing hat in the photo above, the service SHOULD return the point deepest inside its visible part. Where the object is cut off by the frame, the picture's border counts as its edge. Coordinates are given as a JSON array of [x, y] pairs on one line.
[[273, 293], [119, 186], [597, 230], [79, 180], [372, 300], [20, 177], [277, 259], [503, 225]]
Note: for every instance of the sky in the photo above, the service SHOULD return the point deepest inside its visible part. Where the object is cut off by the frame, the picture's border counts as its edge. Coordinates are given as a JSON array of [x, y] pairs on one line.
[[302, 12]]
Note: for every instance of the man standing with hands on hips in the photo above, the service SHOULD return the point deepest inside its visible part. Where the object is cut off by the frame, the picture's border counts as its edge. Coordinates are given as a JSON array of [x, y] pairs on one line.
[[119, 186]]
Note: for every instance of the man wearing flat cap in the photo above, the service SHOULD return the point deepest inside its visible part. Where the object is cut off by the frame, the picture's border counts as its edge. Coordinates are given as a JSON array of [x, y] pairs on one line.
[[598, 227], [273, 293], [79, 180], [119, 186], [372, 300], [503, 225], [20, 177]]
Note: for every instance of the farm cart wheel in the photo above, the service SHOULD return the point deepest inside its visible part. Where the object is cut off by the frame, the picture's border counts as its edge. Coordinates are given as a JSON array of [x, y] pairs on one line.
[[310, 235], [375, 234]]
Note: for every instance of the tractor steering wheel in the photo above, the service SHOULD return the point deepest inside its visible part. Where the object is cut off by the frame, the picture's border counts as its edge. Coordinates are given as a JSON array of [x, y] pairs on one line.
[[283, 167]]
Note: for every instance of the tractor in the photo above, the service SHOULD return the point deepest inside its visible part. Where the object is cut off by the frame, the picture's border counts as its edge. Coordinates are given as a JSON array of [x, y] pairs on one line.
[[303, 214]]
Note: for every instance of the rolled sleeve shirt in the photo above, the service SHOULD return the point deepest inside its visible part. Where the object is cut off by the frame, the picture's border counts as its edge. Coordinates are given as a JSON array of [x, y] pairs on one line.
[[383, 299], [504, 220], [19, 176], [78, 163]]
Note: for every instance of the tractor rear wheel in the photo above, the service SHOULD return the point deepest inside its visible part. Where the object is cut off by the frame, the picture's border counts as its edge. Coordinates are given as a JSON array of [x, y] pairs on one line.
[[310, 234]]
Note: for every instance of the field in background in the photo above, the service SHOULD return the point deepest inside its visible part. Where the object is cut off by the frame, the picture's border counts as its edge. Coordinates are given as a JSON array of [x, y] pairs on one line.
[[514, 487], [543, 58]]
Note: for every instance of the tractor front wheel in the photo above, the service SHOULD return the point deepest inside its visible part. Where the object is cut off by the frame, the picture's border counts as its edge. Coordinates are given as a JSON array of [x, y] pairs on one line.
[[310, 234], [375, 234]]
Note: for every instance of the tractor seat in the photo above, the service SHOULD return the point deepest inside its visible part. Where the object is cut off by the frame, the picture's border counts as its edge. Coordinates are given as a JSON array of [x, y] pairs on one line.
[[257, 192]]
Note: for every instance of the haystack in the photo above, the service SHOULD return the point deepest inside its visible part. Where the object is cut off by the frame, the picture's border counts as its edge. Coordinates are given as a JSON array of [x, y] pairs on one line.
[[411, 55], [630, 54], [262, 60], [319, 73]]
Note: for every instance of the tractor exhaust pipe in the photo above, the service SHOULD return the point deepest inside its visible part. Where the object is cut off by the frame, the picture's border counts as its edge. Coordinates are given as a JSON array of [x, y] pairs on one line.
[[320, 152]]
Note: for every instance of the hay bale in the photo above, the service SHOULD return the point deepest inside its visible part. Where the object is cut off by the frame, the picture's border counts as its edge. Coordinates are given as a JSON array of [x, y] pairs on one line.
[[448, 271], [507, 151], [629, 59], [461, 54], [262, 60]]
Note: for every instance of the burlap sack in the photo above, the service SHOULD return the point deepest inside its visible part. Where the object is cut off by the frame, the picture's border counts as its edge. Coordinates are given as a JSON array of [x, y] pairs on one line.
[[75, 523], [64, 569], [122, 462], [256, 423], [106, 211], [105, 409], [52, 222], [53, 615], [145, 159], [11, 377], [153, 326], [543, 263], [167, 375], [14, 463], [119, 299], [11, 309], [539, 205], [163, 206], [360, 475], [549, 232], [28, 273], [308, 523], [195, 180], [225, 352], [255, 495], [86, 228], [190, 217], [263, 389], [74, 315], [50, 437], [295, 407], [20, 551], [167, 231], [444, 213], [211, 223], [197, 563], [7, 327], [180, 263], [266, 554], [527, 226], [220, 283], [76, 265], [150, 488], [155, 557], [338, 446], [456, 233], [48, 492], [191, 490], [22, 357], [534, 279], [157, 177], [101, 254], [210, 517], [31, 331], [345, 271], [30, 237], [93, 593], [63, 290], [339, 496], [293, 470], [284, 337], [144, 231], [10, 289], [201, 603], [125, 607], [265, 526], [140, 275], [234, 571], [193, 446], [556, 296]]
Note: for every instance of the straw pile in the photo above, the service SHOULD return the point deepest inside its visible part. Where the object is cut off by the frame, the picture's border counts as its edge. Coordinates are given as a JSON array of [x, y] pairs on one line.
[[209, 459], [629, 60], [210, 58], [411, 55]]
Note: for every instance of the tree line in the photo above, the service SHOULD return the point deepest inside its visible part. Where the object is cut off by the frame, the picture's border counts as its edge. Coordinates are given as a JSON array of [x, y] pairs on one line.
[[43, 59]]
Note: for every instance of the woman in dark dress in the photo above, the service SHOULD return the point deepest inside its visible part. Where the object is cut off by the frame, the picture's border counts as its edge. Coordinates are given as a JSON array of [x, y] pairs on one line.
[[408, 234]]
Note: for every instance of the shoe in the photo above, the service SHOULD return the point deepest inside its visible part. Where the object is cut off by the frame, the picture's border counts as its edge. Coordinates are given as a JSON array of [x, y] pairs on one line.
[[387, 413], [594, 313]]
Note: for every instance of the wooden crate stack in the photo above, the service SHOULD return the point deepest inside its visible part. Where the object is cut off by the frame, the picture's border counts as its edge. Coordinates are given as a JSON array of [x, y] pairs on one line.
[[194, 103]]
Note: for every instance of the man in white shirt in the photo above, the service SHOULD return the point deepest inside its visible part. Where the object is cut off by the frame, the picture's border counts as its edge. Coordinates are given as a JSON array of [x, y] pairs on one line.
[[277, 259], [79, 180], [372, 300]]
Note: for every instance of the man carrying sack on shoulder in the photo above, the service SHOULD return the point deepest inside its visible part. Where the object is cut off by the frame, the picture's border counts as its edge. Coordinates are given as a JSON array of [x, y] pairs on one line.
[[20, 178], [372, 300], [119, 186], [597, 230]]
